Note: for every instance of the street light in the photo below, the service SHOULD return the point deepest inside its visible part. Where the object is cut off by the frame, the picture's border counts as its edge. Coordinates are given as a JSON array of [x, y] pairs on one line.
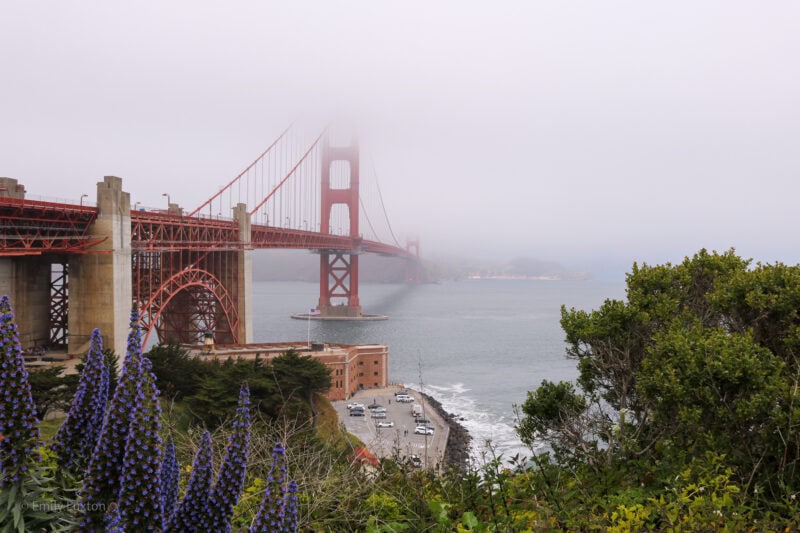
[[169, 201], [136, 206], [305, 224], [287, 222], [82, 197]]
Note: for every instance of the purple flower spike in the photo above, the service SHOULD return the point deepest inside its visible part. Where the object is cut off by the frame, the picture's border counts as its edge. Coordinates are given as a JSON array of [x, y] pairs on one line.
[[140, 491], [78, 434], [271, 511], [170, 481], [230, 479], [103, 477], [18, 423], [194, 504]]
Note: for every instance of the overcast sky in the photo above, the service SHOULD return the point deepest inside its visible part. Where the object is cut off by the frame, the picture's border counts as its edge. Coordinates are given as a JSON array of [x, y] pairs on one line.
[[593, 133]]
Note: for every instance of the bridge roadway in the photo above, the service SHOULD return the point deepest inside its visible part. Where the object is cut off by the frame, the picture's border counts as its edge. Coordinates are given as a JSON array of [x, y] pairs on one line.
[[185, 275], [395, 442]]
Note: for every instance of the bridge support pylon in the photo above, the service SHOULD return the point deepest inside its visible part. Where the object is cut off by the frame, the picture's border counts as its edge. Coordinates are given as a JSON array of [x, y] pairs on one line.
[[338, 269], [100, 286]]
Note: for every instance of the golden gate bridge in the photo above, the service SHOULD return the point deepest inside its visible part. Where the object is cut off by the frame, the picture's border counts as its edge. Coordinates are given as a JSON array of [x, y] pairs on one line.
[[72, 267]]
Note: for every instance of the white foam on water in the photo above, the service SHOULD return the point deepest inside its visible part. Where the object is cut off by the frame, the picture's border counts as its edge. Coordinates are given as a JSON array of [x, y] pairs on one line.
[[484, 427]]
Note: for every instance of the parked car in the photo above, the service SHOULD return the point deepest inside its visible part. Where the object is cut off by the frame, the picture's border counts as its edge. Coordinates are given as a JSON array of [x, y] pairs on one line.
[[374, 406], [355, 404], [378, 415], [355, 411], [423, 430], [415, 461], [379, 410], [385, 424], [403, 392], [421, 420], [405, 399]]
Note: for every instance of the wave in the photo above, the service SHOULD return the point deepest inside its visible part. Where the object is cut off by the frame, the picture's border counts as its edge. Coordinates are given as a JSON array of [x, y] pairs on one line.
[[493, 434]]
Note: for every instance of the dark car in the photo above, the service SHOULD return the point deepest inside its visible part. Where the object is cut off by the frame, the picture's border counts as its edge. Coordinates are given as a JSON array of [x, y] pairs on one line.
[[357, 411]]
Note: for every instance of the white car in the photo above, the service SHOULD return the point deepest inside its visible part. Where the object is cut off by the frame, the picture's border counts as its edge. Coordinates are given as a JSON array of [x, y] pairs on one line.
[[355, 404], [379, 410], [385, 424], [378, 415], [405, 399], [423, 430]]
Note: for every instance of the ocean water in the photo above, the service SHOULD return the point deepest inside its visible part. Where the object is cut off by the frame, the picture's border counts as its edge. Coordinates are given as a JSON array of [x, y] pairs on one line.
[[477, 346]]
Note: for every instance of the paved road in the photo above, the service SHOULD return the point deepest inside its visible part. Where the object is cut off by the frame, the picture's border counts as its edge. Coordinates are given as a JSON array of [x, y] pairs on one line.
[[400, 440]]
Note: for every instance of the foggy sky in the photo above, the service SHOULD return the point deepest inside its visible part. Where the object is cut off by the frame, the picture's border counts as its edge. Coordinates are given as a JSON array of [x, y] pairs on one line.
[[594, 133]]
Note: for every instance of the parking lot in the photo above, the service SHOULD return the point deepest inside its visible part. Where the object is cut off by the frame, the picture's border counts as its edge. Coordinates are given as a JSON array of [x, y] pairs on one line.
[[399, 440]]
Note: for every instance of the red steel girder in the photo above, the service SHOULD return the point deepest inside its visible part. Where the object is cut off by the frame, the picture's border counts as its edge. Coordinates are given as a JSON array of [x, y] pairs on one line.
[[30, 227], [165, 231], [172, 285]]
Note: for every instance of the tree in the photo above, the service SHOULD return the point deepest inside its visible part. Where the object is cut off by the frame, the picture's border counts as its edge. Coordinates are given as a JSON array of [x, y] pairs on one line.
[[302, 376], [702, 357]]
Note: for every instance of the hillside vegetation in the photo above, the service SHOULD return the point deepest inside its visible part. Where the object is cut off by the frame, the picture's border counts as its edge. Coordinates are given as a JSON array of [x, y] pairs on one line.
[[685, 417]]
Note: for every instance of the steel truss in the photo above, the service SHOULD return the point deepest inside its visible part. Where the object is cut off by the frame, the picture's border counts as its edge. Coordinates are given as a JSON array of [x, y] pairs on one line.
[[59, 304], [29, 227]]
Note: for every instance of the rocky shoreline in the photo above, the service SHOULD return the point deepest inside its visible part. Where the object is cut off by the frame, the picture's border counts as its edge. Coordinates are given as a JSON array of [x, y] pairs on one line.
[[456, 453]]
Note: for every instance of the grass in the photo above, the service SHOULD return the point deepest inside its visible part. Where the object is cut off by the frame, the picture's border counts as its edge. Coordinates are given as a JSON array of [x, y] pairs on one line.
[[329, 429], [48, 428]]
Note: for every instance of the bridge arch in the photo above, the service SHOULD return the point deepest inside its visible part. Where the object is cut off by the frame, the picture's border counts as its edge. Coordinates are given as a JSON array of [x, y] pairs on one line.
[[200, 302]]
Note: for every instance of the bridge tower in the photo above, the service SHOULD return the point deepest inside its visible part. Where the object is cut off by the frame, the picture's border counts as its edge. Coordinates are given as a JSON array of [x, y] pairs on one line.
[[413, 267], [100, 282], [338, 269]]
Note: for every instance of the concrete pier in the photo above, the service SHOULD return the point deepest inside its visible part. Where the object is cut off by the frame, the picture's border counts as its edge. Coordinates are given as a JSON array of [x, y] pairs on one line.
[[100, 284]]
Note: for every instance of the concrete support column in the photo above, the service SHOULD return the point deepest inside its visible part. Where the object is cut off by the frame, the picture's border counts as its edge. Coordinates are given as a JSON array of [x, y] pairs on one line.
[[244, 276], [26, 281], [101, 292]]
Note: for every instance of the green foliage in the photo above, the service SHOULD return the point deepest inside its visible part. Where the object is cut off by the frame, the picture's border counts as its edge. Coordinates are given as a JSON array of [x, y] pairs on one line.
[[282, 387], [177, 371], [547, 410], [700, 363], [41, 501], [51, 390]]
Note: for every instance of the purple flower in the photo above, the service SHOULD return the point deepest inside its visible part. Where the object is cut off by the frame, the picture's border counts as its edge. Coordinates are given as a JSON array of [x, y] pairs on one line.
[[271, 511], [18, 423], [230, 478], [103, 477], [194, 503], [140, 491], [78, 434], [113, 521], [170, 481]]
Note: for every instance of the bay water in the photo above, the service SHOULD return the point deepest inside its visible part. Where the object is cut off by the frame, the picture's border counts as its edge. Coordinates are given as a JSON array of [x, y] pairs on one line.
[[477, 346]]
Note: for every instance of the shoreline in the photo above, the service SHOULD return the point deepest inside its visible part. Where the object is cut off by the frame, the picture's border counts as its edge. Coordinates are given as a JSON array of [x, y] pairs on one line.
[[456, 451]]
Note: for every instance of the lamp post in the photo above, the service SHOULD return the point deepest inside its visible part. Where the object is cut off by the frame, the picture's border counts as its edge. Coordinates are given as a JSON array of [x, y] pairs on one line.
[[136, 206], [287, 222], [169, 201], [305, 224], [82, 197]]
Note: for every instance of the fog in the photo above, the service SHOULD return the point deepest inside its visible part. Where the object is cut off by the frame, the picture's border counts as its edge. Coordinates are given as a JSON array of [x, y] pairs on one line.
[[592, 133]]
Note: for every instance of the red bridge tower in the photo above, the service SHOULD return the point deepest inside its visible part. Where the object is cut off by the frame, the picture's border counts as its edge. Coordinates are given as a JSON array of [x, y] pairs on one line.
[[338, 269]]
